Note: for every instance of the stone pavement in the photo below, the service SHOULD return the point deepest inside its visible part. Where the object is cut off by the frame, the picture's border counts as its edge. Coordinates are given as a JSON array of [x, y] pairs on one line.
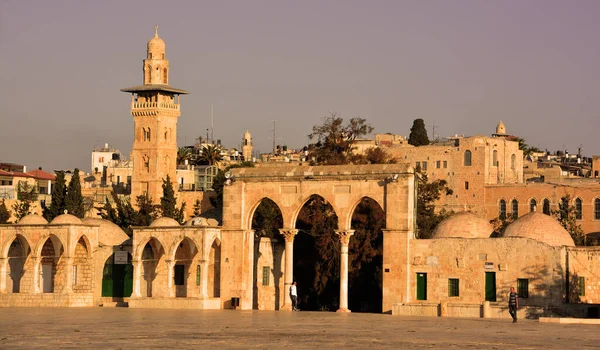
[[121, 328]]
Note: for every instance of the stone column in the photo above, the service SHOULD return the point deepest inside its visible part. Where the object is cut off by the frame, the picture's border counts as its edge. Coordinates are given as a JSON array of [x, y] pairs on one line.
[[137, 276], [68, 275], [3, 274], [204, 279], [288, 277], [170, 267], [344, 237], [36, 274]]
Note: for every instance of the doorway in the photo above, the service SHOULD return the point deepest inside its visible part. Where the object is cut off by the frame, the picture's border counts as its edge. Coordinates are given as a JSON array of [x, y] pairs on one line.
[[490, 286], [421, 286], [47, 285]]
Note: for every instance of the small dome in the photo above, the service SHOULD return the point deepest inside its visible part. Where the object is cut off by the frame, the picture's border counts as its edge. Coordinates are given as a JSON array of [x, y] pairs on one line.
[[200, 221], [66, 219], [164, 222], [464, 224], [33, 219], [501, 129], [156, 46], [540, 227], [108, 233]]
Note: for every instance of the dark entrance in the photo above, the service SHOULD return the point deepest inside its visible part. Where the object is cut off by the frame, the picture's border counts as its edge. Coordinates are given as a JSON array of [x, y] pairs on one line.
[[421, 286], [490, 286], [117, 279]]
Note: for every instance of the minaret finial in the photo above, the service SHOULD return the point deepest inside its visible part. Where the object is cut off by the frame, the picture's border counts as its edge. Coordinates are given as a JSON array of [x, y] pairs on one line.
[[156, 31]]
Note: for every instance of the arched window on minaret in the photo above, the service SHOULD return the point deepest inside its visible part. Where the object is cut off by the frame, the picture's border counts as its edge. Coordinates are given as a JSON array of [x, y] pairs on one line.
[[166, 134], [165, 76], [146, 160], [149, 135]]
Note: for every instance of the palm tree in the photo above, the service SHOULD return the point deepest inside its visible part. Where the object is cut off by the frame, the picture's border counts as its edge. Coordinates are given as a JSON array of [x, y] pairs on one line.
[[183, 154], [210, 155]]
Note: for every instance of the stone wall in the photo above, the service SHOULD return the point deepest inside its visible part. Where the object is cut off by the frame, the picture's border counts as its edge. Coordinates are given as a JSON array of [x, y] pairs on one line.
[[269, 290]]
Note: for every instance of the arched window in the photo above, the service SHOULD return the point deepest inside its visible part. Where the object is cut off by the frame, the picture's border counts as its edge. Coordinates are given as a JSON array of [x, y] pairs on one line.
[[467, 161], [597, 209], [502, 209], [513, 160], [578, 208], [495, 158], [515, 208], [546, 208], [165, 76], [532, 205]]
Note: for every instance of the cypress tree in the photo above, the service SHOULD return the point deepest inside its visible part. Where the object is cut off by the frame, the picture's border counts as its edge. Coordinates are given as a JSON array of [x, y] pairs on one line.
[[147, 211], [59, 192], [168, 200], [418, 133], [74, 199], [4, 213]]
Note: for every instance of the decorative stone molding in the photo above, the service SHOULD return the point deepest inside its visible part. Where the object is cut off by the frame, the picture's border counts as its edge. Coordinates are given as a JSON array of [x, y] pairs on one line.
[[288, 234], [344, 236]]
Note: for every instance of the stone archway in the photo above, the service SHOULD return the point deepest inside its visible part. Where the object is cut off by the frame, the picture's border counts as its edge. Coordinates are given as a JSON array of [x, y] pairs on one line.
[[82, 267], [117, 276], [214, 269], [153, 267], [18, 262], [52, 266], [185, 271]]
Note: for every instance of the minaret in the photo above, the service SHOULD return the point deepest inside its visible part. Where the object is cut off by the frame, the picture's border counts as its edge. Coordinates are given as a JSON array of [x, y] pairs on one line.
[[247, 146], [155, 109]]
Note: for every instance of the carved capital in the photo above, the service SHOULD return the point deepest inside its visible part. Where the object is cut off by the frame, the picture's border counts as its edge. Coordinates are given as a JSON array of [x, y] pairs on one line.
[[344, 236], [288, 234]]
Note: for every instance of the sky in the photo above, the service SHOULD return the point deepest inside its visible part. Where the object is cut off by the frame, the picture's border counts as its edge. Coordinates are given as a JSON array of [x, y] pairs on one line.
[[461, 64]]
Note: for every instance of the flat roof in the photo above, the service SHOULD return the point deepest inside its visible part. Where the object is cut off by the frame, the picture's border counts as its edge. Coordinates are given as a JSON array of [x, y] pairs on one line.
[[155, 87]]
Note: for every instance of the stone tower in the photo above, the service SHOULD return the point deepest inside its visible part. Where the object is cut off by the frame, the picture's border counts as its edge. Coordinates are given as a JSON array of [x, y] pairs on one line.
[[247, 146], [155, 109], [500, 128]]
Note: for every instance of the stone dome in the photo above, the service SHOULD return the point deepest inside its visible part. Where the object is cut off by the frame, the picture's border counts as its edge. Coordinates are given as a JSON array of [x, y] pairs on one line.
[[156, 46], [33, 219], [66, 219], [164, 222], [540, 227], [464, 224], [108, 233], [201, 221], [500, 128]]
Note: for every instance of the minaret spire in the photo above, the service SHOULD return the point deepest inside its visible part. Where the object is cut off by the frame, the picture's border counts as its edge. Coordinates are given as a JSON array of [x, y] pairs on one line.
[[155, 31]]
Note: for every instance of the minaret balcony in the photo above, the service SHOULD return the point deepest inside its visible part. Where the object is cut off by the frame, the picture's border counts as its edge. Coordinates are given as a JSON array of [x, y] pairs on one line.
[[155, 105]]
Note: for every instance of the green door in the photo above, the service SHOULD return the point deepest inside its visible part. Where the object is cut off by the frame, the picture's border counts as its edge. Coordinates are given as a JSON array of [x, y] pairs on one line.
[[490, 286], [107, 280], [117, 279], [128, 281], [421, 286]]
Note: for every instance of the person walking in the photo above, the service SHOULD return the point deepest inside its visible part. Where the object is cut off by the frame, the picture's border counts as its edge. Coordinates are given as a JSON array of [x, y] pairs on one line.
[[513, 304], [294, 296]]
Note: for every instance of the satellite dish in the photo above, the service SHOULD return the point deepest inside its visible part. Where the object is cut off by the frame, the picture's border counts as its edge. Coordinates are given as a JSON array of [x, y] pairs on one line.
[[228, 175]]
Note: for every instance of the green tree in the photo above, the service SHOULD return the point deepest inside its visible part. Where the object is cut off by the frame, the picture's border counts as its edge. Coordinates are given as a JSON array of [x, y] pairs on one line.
[[219, 183], [197, 208], [4, 213], [121, 214], [59, 193], [209, 155], [418, 133], [168, 201], [567, 217], [335, 140], [183, 154], [267, 219], [26, 195], [74, 199], [500, 225], [147, 211], [427, 194]]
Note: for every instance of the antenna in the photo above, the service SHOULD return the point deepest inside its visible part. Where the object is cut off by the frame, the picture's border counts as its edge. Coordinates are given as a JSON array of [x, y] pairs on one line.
[[274, 121], [212, 129], [433, 131]]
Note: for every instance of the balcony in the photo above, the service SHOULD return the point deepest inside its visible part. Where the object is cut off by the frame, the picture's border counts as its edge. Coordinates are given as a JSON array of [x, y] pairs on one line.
[[148, 105]]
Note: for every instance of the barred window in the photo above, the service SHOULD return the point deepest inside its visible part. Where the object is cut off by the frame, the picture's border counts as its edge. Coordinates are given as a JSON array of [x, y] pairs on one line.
[[515, 208], [532, 205], [523, 287], [578, 208], [179, 275], [265, 277], [546, 208], [453, 290], [597, 209], [581, 286], [502, 209]]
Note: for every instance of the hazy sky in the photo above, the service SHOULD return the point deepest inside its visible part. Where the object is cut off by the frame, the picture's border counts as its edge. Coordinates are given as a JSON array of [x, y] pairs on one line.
[[459, 63]]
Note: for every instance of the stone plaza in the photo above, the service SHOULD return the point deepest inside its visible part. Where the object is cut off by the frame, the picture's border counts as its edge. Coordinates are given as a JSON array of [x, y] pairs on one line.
[[121, 328]]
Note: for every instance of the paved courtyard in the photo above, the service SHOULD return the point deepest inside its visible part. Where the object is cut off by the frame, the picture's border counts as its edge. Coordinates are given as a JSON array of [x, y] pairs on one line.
[[121, 328]]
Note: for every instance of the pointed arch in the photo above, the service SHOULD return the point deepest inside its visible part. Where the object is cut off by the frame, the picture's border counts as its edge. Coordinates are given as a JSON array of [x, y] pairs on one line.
[[184, 260], [86, 244], [502, 209], [467, 161], [578, 208], [546, 206], [533, 204], [266, 215], [18, 254], [10, 240], [152, 256], [370, 201], [214, 269], [52, 265], [308, 198]]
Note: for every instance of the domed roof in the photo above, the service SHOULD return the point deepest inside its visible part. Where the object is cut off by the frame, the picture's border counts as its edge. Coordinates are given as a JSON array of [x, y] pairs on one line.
[[540, 227], [464, 224], [201, 221], [33, 219], [66, 219], [108, 233], [164, 222], [156, 44], [500, 129]]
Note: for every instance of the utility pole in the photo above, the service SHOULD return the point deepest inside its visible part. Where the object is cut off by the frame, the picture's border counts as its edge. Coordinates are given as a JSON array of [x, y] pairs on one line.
[[274, 136], [433, 131], [212, 129]]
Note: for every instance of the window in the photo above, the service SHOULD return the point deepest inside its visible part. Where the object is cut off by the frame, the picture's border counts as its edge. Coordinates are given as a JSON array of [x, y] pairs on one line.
[[546, 208], [438, 164], [453, 287], [581, 286], [466, 185], [266, 273], [424, 165], [532, 205], [179, 275], [578, 208], [502, 209], [515, 208], [513, 161], [495, 158], [597, 209], [74, 275], [198, 275], [418, 166], [523, 287], [467, 158], [445, 164]]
